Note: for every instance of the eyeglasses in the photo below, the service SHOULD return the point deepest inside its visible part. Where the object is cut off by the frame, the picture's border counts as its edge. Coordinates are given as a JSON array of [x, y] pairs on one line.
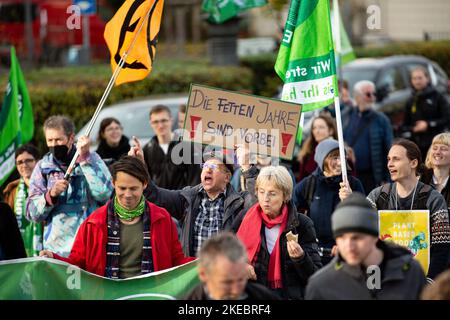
[[111, 129], [25, 161], [211, 166], [370, 94], [162, 121]]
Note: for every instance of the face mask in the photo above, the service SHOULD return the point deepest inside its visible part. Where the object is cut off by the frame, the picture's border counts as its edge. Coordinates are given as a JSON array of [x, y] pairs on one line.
[[59, 152]]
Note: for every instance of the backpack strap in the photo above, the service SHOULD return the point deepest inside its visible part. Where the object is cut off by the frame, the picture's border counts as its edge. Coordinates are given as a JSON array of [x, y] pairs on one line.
[[422, 198], [382, 201]]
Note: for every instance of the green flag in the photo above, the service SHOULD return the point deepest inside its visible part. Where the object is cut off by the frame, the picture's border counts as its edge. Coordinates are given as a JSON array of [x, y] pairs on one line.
[[306, 61], [221, 10], [16, 118], [347, 54], [49, 279]]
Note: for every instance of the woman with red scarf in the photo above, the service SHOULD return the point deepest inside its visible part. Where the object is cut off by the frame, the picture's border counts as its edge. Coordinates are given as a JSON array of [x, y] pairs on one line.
[[282, 265]]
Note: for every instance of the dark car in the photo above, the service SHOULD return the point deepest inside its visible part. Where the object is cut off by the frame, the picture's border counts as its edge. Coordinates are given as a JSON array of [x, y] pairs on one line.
[[391, 76]]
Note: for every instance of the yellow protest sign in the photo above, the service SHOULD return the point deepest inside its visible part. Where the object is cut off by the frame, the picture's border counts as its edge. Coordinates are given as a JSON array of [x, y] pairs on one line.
[[224, 118], [408, 228]]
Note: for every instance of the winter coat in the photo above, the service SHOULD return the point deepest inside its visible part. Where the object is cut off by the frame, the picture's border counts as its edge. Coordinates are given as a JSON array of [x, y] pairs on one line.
[[380, 140], [430, 106], [184, 206], [427, 178], [90, 186], [439, 222], [163, 171], [113, 154], [296, 272], [324, 201], [402, 278], [10, 193], [89, 249]]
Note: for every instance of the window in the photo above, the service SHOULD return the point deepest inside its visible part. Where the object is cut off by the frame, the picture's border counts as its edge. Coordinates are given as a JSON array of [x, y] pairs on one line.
[[392, 80]]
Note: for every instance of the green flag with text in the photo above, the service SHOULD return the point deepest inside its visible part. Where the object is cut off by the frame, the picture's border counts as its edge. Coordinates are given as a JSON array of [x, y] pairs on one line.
[[221, 10], [49, 279], [16, 118], [306, 60]]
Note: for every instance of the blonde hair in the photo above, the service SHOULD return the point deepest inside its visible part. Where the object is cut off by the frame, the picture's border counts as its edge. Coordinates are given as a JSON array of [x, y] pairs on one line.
[[280, 176], [441, 138]]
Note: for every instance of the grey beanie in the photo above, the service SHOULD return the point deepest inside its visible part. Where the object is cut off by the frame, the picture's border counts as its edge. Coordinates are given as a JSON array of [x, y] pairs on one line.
[[323, 149], [354, 214]]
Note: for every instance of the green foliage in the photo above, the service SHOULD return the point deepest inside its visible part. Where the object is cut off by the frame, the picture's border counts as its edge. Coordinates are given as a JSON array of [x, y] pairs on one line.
[[266, 82], [76, 91]]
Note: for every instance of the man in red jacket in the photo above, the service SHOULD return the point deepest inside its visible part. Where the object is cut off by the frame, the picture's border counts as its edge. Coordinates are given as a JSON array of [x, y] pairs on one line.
[[128, 236]]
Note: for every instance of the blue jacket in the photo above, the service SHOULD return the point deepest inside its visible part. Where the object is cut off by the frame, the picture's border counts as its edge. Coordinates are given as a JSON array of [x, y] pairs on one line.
[[89, 188], [380, 133], [325, 199]]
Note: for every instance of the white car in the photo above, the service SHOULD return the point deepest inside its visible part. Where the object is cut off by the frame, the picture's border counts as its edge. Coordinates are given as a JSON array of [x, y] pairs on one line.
[[134, 116]]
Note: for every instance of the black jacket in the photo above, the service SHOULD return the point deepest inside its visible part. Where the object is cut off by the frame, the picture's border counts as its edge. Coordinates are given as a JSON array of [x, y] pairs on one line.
[[113, 154], [401, 278], [11, 243], [427, 178], [296, 272], [253, 290], [432, 107], [184, 206], [163, 171]]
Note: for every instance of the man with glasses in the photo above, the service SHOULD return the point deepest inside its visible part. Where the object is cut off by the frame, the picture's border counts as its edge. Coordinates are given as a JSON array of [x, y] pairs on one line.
[[369, 133], [209, 207], [16, 194], [158, 152]]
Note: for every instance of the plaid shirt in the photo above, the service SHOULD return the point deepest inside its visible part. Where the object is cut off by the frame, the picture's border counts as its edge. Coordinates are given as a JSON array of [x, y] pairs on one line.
[[209, 219]]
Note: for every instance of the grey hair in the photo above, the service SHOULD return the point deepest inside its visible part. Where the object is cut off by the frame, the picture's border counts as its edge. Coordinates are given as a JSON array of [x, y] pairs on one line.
[[357, 88], [60, 122], [280, 176], [222, 244]]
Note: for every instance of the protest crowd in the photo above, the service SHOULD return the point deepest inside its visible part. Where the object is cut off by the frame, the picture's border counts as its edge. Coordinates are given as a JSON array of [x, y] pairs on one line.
[[258, 228]]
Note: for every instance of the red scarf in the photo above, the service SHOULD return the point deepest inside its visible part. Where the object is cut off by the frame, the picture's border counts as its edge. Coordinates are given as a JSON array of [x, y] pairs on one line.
[[250, 234]]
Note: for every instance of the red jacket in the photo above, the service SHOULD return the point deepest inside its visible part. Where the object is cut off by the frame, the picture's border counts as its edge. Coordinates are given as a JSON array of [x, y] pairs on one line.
[[89, 249]]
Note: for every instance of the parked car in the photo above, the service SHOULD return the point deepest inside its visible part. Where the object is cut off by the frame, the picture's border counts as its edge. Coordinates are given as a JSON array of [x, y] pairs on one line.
[[134, 116], [391, 76]]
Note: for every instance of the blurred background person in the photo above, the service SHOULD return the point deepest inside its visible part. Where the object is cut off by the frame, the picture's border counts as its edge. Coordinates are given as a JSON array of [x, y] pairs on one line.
[[369, 133], [112, 142], [281, 264], [427, 112], [16, 194], [318, 194], [322, 127], [437, 165]]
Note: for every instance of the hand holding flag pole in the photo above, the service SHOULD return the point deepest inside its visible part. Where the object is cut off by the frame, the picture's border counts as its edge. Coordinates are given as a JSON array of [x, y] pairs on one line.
[[126, 8]]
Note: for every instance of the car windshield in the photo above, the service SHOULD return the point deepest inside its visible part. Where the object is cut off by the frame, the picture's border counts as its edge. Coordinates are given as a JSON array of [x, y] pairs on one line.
[[353, 75]]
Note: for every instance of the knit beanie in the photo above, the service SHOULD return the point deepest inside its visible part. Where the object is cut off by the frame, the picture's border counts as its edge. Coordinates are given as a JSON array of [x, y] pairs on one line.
[[323, 149], [354, 214]]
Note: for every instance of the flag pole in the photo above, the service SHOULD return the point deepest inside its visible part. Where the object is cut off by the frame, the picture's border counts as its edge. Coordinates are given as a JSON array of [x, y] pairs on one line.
[[108, 90], [337, 104]]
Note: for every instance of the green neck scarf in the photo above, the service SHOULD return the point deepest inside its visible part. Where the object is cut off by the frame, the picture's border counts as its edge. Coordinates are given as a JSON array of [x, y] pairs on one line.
[[126, 214]]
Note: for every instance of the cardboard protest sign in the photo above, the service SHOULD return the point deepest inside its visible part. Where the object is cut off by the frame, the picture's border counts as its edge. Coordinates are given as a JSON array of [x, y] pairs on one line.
[[408, 228], [224, 118]]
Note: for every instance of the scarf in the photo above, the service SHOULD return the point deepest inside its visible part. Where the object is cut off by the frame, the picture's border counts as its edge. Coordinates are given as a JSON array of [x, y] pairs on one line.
[[126, 214], [31, 232], [250, 234], [105, 151], [112, 270]]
